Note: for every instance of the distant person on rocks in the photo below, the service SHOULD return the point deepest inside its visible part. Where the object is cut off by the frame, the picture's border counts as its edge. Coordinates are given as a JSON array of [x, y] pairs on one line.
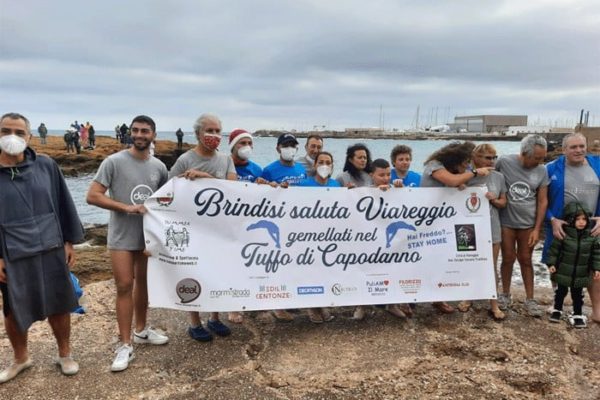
[[83, 134], [356, 167], [118, 133], [314, 144], [241, 145], [449, 167], [38, 226], [43, 132], [571, 260], [69, 140], [285, 171], [124, 130], [76, 142], [205, 161], [91, 137], [574, 177], [130, 176], [179, 135], [522, 218], [401, 158], [75, 125]]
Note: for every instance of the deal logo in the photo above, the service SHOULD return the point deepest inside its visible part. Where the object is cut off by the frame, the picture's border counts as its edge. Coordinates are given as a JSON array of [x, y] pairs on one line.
[[188, 290], [338, 289], [519, 191], [177, 240], [378, 288], [473, 203], [140, 194]]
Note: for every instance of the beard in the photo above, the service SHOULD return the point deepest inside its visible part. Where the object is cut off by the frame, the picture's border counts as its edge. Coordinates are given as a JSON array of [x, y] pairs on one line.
[[141, 144]]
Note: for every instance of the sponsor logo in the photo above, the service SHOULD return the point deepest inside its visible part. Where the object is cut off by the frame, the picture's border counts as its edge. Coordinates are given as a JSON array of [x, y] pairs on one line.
[[140, 193], [177, 240], [473, 203], [410, 286], [231, 292], [378, 288], [465, 237], [519, 191], [188, 290], [273, 292], [452, 284], [302, 290], [166, 200], [338, 289]]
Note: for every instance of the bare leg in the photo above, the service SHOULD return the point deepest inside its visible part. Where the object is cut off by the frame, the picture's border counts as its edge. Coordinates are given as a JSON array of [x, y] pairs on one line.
[[140, 290], [122, 266], [594, 291], [509, 255], [524, 253], [195, 318], [498, 314], [18, 339], [61, 327]]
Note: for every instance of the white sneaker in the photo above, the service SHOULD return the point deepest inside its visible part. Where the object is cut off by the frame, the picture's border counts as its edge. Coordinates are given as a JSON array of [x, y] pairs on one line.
[[504, 301], [124, 356], [532, 308], [149, 336]]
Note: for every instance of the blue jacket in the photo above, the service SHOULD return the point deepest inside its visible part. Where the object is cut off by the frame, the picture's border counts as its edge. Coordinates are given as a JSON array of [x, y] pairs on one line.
[[556, 195]]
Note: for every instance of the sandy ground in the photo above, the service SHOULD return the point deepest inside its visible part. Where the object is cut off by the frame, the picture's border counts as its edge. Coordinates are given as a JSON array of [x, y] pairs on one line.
[[458, 356]]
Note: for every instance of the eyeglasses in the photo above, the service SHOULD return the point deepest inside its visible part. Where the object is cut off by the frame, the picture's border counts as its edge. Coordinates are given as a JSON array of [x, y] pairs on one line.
[[212, 131]]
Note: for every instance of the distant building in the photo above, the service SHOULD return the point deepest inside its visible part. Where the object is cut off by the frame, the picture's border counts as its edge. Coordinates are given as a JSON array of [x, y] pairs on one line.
[[487, 123], [364, 132]]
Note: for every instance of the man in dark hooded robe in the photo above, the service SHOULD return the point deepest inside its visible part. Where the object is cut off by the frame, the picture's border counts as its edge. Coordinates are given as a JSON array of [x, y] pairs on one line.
[[38, 226]]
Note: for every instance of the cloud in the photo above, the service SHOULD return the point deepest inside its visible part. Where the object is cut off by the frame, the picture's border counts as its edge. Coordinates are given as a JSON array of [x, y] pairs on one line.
[[274, 64]]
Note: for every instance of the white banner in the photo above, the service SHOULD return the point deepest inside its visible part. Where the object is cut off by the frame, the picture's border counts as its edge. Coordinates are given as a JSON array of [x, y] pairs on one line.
[[220, 245]]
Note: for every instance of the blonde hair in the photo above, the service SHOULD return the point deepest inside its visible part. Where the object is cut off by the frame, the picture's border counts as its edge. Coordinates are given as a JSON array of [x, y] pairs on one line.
[[484, 148]]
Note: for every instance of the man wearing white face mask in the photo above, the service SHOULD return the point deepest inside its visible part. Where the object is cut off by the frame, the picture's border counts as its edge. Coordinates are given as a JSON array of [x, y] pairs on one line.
[[240, 144], [38, 224], [205, 161], [285, 171]]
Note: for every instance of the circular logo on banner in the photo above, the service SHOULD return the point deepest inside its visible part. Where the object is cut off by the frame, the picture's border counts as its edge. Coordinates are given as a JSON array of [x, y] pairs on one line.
[[140, 193], [188, 290]]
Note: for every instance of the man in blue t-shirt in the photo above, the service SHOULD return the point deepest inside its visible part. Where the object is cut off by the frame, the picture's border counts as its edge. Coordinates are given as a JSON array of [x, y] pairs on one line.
[[240, 145], [285, 171], [401, 157]]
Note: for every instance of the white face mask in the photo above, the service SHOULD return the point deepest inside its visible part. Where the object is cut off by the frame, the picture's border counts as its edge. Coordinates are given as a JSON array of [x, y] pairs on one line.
[[324, 171], [244, 152], [288, 153], [13, 144]]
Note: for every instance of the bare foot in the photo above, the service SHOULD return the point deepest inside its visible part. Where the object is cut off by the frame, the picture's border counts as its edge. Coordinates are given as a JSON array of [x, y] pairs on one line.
[[235, 317]]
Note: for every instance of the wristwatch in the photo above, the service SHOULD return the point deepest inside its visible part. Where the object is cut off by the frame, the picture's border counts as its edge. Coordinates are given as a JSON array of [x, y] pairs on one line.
[[474, 171]]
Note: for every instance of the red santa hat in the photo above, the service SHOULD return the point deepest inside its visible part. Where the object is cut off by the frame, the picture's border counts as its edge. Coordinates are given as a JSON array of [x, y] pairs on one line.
[[236, 135]]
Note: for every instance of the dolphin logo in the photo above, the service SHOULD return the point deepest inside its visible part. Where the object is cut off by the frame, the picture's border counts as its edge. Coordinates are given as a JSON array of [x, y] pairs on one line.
[[270, 227], [392, 228]]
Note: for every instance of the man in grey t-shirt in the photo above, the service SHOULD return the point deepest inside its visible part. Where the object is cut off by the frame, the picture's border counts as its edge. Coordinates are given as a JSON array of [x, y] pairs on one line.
[[130, 176], [521, 220]]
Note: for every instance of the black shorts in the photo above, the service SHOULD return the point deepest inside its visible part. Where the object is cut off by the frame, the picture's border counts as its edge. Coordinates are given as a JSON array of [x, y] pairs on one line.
[[5, 304]]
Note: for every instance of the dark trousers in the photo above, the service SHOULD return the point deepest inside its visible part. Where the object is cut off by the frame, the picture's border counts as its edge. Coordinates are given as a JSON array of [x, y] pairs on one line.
[[576, 296]]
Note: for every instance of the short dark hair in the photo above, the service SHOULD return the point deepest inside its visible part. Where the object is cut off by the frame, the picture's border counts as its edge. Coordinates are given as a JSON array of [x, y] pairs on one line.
[[379, 163], [400, 149], [314, 136], [14, 115], [145, 120]]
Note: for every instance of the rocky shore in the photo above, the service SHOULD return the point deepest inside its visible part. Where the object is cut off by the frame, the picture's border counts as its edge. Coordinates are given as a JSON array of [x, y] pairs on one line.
[[458, 356]]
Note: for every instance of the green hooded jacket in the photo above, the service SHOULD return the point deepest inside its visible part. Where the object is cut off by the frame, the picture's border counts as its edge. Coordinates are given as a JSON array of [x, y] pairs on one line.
[[577, 254]]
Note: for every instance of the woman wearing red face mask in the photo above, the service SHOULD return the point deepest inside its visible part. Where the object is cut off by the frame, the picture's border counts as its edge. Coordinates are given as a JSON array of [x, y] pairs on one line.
[[205, 161]]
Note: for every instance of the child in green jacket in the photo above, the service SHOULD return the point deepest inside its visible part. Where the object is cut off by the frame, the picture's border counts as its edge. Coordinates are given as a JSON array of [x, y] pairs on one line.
[[570, 262]]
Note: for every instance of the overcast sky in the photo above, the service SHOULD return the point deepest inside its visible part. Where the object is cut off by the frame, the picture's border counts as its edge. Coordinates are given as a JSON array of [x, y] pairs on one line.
[[277, 64]]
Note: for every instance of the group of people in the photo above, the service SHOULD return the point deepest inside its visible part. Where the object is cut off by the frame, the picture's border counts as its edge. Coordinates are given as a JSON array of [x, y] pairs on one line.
[[524, 196], [78, 136]]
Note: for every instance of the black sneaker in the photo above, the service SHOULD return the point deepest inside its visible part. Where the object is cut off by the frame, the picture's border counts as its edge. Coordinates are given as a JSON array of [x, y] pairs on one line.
[[555, 316], [579, 321]]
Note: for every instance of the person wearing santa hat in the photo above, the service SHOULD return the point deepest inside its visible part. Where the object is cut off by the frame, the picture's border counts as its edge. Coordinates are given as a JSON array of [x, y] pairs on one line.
[[240, 145]]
